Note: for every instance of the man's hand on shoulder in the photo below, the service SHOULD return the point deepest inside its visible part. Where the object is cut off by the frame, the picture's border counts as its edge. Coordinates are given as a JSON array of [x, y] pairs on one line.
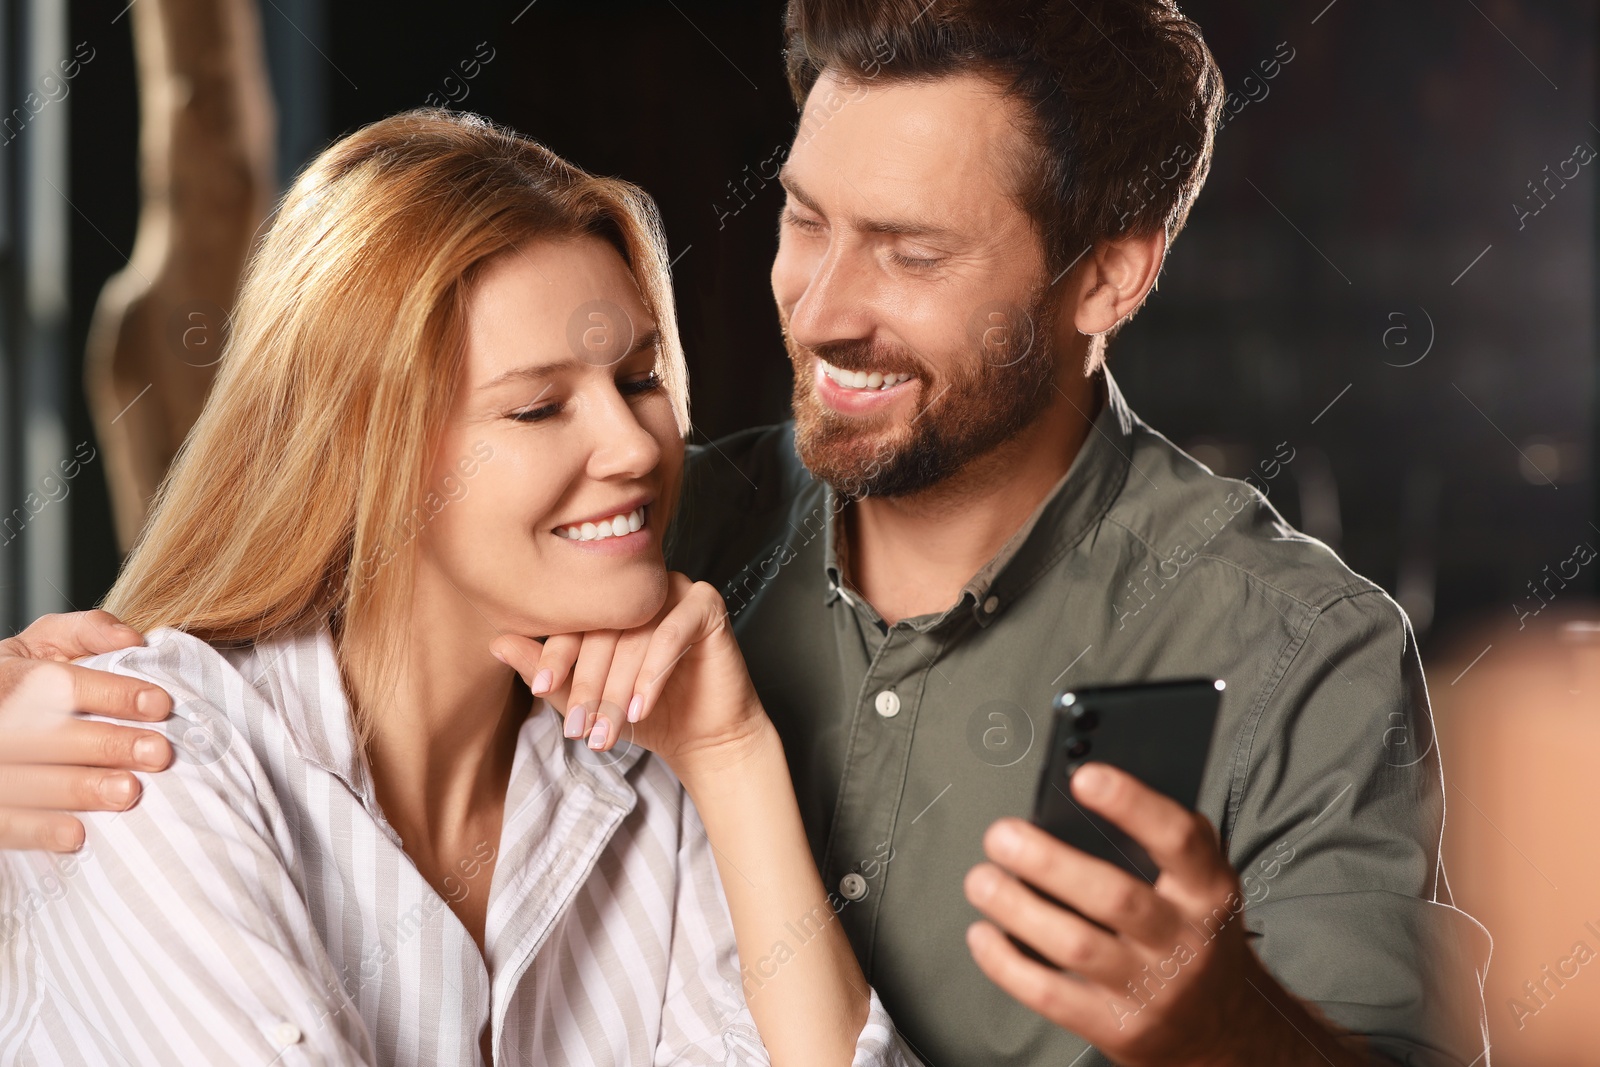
[[1152, 975], [52, 762]]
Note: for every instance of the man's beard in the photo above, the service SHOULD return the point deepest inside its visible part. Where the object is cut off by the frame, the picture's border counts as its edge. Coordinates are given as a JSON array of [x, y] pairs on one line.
[[990, 396]]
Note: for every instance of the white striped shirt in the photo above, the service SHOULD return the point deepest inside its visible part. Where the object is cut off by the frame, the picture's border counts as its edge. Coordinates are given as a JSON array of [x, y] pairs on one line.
[[256, 907]]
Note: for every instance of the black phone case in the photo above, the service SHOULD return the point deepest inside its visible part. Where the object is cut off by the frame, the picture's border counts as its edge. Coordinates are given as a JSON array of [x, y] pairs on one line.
[[1159, 732]]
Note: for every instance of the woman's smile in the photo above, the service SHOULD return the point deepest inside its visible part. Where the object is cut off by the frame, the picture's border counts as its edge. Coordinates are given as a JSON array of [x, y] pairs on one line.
[[622, 531]]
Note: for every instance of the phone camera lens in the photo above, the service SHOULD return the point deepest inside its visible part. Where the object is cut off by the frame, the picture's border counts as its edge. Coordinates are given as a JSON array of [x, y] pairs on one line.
[[1085, 720], [1078, 747]]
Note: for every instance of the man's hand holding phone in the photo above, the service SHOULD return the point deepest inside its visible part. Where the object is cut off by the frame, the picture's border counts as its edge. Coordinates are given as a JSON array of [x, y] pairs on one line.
[[1151, 972], [1152, 983]]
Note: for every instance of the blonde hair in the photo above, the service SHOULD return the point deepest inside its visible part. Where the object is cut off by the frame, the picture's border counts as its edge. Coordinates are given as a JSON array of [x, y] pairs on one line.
[[316, 445]]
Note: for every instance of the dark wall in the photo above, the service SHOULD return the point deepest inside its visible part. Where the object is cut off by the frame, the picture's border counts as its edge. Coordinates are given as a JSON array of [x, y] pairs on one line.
[[1348, 205], [104, 141], [1343, 211], [688, 101]]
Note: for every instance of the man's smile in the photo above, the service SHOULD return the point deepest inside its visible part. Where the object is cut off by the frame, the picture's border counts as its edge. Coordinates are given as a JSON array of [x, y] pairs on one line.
[[857, 392]]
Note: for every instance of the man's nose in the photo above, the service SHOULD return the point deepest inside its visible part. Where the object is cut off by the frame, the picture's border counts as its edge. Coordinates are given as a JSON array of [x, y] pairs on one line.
[[837, 303]]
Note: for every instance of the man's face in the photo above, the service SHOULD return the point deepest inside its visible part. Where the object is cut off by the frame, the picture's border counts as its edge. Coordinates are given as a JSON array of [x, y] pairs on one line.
[[909, 282]]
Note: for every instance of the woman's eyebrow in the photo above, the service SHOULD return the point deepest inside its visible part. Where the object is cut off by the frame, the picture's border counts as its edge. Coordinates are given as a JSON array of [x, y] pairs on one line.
[[536, 371]]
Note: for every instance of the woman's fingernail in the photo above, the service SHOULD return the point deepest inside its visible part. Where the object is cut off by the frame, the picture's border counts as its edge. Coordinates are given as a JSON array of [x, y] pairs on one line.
[[541, 682], [148, 701], [577, 715], [597, 736], [635, 706], [499, 657], [149, 751], [67, 838]]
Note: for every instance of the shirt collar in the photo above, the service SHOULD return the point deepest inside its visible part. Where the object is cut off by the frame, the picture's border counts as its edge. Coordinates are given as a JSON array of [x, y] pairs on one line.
[[1074, 504], [299, 675]]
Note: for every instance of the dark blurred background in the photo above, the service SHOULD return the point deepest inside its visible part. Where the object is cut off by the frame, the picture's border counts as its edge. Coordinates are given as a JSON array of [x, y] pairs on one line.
[[1360, 212], [1381, 272]]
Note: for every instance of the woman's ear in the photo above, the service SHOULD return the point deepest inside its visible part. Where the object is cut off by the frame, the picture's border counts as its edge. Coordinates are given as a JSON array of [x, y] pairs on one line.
[[1115, 280]]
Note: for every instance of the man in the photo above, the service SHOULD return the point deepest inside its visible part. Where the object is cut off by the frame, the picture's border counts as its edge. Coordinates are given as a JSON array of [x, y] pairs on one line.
[[965, 515]]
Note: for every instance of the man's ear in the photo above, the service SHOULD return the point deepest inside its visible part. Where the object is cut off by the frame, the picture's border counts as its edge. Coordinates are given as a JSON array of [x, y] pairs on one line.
[[1114, 281]]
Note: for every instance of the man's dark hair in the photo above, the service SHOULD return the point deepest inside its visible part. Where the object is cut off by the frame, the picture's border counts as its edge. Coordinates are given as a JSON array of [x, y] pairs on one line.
[[1120, 97]]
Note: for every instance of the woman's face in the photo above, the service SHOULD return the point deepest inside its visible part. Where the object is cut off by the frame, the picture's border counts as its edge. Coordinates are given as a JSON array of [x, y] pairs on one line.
[[561, 457]]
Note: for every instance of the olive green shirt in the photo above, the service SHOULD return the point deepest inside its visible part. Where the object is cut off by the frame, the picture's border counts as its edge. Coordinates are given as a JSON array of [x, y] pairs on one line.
[[907, 741]]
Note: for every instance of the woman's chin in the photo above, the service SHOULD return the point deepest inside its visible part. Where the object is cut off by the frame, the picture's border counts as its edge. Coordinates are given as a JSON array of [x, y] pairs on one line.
[[614, 605]]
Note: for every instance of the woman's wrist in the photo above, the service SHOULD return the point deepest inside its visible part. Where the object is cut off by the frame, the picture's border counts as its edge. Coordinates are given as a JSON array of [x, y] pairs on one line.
[[709, 766], [814, 1009]]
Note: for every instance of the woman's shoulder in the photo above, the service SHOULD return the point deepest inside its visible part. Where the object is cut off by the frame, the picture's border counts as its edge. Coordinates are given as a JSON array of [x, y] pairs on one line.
[[221, 695], [187, 667], [231, 740], [167, 655]]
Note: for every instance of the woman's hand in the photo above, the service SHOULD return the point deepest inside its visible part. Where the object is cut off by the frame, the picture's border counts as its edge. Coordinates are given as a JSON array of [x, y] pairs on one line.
[[696, 708], [676, 685]]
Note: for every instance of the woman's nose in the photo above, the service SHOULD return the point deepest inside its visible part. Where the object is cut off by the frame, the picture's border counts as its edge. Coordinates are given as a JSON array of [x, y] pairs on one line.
[[623, 446]]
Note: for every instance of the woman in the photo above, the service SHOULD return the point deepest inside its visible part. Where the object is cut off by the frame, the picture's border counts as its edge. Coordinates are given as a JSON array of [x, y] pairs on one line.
[[452, 412]]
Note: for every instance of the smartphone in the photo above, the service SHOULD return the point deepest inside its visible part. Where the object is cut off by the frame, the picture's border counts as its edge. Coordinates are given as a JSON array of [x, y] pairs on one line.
[[1159, 732]]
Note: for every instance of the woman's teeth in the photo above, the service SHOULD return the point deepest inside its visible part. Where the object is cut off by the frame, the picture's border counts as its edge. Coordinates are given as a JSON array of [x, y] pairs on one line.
[[854, 379], [599, 531]]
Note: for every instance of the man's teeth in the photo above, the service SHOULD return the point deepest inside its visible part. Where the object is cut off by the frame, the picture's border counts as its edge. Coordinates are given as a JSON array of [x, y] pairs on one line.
[[855, 379], [599, 531]]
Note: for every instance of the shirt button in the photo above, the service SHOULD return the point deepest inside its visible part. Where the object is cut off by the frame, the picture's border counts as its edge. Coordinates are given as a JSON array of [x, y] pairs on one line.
[[853, 886], [286, 1034], [887, 703], [991, 605]]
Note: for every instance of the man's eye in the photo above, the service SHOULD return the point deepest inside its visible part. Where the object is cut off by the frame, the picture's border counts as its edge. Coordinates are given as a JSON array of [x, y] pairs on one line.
[[809, 225], [912, 262]]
